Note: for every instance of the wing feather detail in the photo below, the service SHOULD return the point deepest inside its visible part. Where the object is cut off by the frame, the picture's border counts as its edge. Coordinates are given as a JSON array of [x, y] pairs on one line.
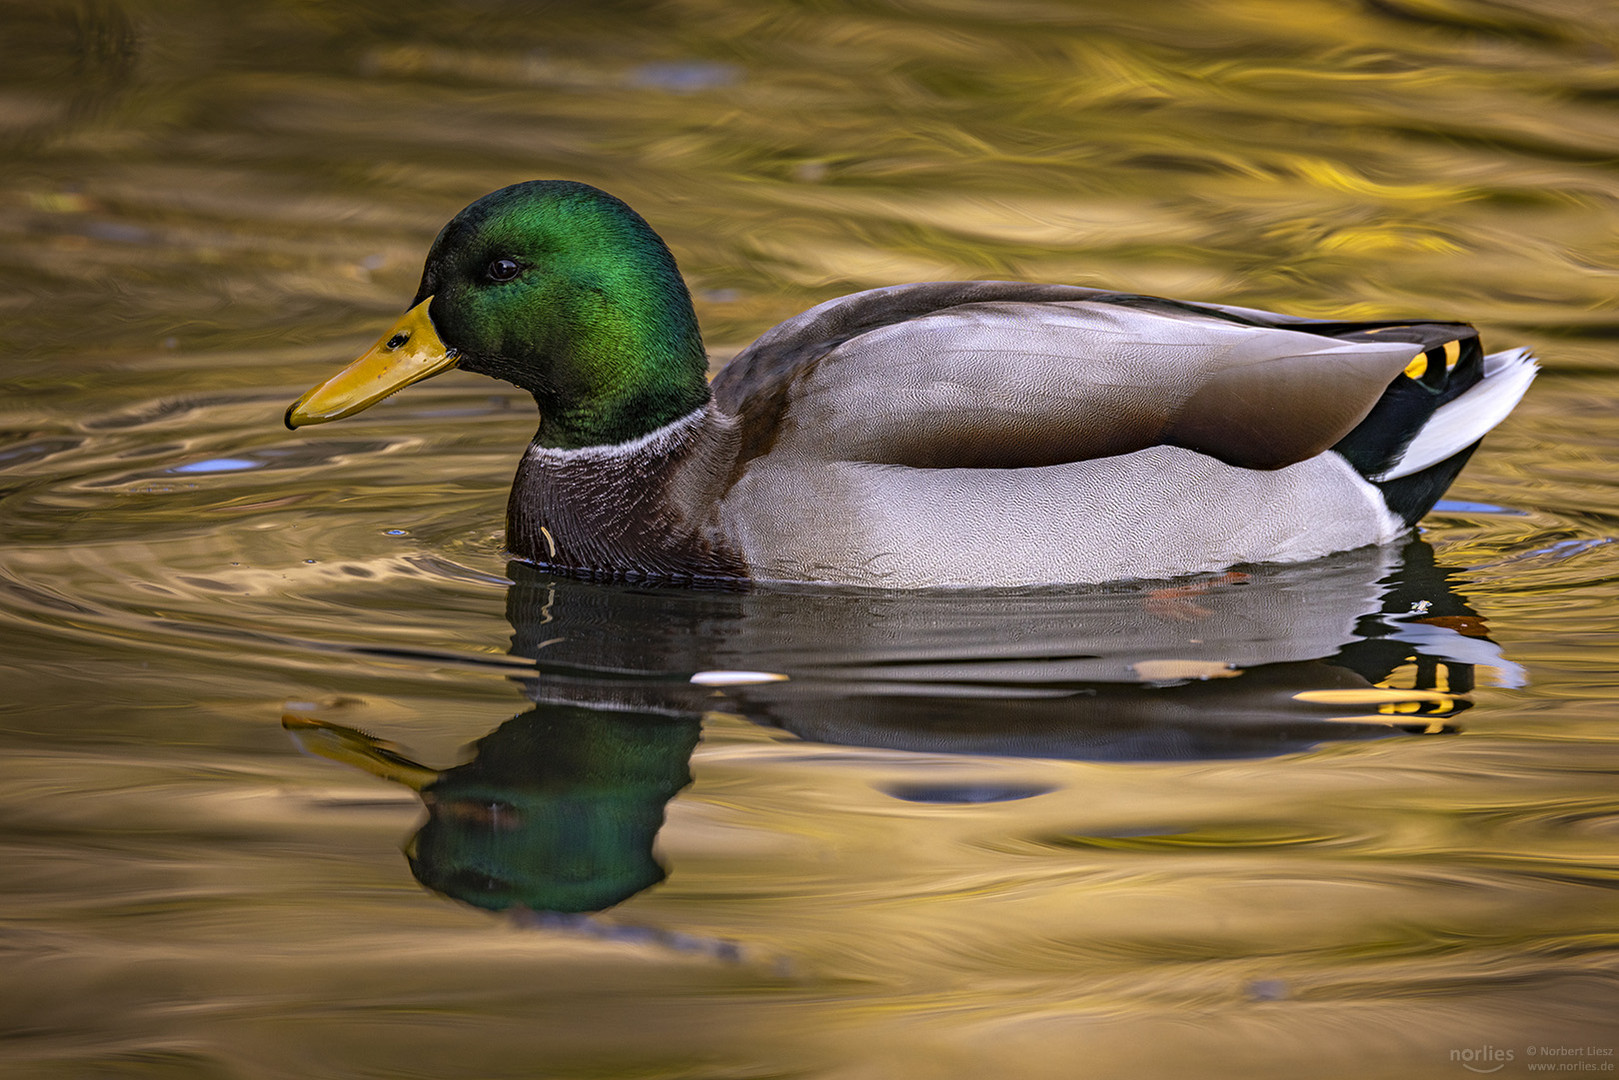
[[1014, 384]]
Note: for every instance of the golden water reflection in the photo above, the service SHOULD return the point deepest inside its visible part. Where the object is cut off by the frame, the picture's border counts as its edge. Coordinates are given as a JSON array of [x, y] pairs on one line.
[[1035, 836]]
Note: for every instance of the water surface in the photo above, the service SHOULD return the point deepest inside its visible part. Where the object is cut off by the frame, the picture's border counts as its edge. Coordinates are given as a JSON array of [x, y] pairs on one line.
[[1354, 818]]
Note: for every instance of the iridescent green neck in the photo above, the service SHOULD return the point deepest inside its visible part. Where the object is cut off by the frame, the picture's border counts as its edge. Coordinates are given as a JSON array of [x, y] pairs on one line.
[[633, 362], [596, 321]]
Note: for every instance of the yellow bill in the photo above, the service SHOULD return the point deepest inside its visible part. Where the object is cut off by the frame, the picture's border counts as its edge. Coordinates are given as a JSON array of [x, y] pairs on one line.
[[407, 352]]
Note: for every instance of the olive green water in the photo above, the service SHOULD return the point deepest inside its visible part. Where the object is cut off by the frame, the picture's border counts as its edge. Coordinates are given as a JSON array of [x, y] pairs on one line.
[[1357, 818]]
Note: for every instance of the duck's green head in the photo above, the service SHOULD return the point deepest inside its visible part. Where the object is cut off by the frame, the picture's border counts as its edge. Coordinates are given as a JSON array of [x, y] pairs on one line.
[[555, 287]]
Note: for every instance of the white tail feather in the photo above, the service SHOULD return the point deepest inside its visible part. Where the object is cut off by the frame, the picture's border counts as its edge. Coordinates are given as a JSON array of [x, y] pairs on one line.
[[1459, 424]]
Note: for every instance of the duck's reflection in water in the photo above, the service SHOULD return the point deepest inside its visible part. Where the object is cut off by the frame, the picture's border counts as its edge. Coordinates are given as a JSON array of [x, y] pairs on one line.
[[559, 807], [556, 811]]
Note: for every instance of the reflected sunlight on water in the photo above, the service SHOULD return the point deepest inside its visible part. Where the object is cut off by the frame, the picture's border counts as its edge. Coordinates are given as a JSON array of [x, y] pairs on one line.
[[1355, 818]]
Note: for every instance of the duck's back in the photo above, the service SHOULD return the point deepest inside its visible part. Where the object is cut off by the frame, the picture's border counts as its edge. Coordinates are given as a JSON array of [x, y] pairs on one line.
[[1006, 375]]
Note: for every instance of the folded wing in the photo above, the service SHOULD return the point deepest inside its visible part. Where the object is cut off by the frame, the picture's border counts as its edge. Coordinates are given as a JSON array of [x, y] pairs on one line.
[[1004, 375]]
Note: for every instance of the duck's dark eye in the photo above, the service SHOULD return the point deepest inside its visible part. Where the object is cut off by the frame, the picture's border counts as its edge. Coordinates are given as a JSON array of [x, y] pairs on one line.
[[502, 270]]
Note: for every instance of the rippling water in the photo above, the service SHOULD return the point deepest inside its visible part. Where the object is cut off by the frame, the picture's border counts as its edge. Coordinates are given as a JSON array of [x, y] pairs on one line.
[[295, 764]]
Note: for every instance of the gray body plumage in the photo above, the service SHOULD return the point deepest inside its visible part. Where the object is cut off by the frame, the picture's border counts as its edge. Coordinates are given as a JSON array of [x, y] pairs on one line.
[[987, 433]]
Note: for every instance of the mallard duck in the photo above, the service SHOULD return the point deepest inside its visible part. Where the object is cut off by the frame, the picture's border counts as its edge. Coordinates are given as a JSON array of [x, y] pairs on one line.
[[962, 433]]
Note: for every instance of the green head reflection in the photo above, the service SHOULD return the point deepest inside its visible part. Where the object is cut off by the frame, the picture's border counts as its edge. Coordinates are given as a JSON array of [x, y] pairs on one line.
[[557, 811]]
